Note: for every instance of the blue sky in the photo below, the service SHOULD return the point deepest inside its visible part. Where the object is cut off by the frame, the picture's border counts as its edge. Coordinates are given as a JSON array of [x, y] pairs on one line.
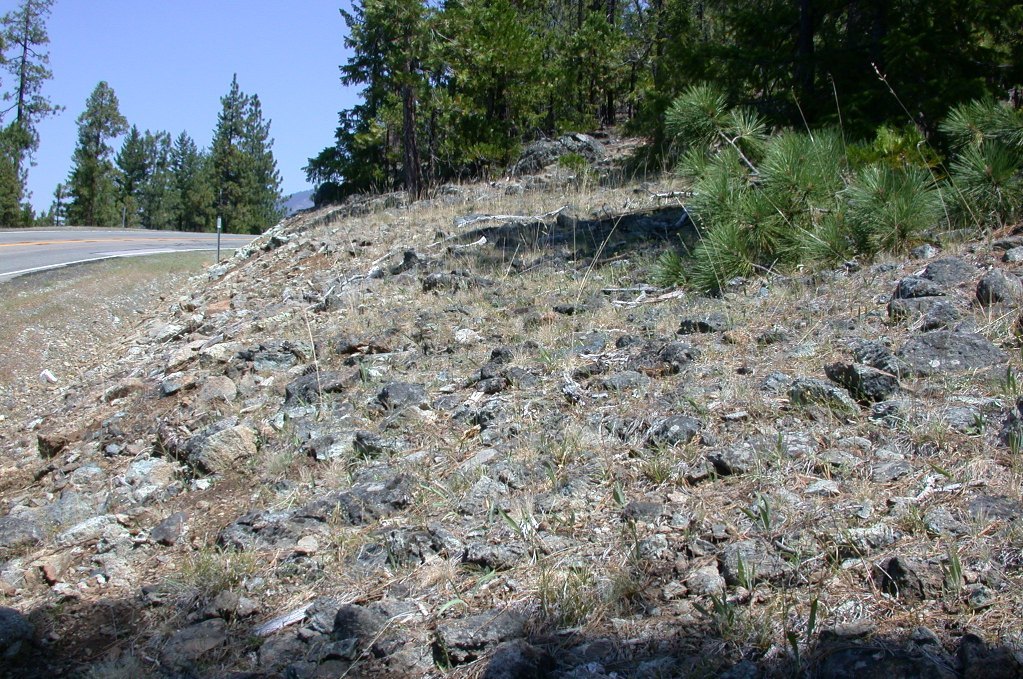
[[170, 61]]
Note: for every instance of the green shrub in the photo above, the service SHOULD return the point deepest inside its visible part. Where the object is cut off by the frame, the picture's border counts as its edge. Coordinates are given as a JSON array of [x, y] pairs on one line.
[[890, 208]]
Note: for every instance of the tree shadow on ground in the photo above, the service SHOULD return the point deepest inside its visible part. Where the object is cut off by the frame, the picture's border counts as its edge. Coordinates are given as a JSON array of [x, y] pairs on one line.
[[118, 637], [589, 241]]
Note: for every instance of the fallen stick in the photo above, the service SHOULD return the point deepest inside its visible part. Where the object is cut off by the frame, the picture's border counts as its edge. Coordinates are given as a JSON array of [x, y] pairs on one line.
[[475, 219]]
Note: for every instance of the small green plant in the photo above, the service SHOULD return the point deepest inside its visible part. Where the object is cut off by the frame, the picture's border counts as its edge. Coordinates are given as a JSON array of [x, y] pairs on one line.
[[760, 515], [722, 614], [1010, 386], [953, 571], [793, 637], [574, 162]]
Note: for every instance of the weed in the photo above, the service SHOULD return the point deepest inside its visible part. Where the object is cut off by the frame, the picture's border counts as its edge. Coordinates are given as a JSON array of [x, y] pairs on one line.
[[760, 515]]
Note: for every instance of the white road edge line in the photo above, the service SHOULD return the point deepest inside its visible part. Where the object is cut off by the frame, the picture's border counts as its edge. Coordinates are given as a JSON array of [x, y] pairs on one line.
[[14, 274]]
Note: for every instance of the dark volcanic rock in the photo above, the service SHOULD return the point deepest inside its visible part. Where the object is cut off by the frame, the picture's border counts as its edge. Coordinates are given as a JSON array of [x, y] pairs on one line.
[[187, 645], [519, 659], [170, 530], [841, 659], [15, 633], [912, 287], [363, 626], [309, 388], [673, 431], [948, 351], [866, 384], [703, 324], [977, 660], [939, 315], [997, 287], [466, 639], [401, 395], [806, 391], [949, 271], [17, 533], [909, 579], [363, 503]]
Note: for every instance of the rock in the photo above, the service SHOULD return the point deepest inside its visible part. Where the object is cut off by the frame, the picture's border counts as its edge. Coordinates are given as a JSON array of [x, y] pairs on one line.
[[939, 315], [177, 381], [90, 530], [840, 659], [775, 383], [218, 452], [18, 533], [915, 309], [738, 459], [997, 287], [463, 640], [909, 579], [866, 384], [218, 388], [713, 322], [890, 470], [15, 633], [940, 521], [170, 530], [995, 507], [912, 287], [230, 605], [858, 542], [308, 389], [122, 389], [949, 271], [1013, 255], [495, 557], [397, 395], [948, 351], [879, 356], [52, 442], [925, 251], [518, 659], [627, 380], [673, 431], [540, 154], [807, 391], [362, 625], [747, 562], [977, 660], [188, 645], [148, 477], [706, 581]]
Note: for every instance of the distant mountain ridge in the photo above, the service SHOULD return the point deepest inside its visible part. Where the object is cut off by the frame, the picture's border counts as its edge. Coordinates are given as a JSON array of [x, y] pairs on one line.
[[297, 201]]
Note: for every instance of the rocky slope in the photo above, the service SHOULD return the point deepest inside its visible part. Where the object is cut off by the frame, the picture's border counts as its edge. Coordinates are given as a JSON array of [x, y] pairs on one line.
[[467, 438]]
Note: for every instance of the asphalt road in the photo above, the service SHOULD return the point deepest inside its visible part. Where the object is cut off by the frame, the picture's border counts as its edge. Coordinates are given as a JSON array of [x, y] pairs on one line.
[[24, 251]]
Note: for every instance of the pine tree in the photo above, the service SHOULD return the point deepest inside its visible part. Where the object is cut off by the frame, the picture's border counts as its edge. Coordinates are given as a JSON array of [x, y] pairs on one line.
[[192, 194], [132, 169], [91, 181], [23, 36], [245, 181]]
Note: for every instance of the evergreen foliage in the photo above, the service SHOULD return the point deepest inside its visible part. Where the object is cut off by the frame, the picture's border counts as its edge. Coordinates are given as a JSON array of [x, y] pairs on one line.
[[242, 170], [453, 89], [91, 183], [23, 38]]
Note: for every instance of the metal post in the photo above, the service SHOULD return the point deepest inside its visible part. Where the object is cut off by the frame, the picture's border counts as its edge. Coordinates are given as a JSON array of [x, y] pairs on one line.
[[219, 227]]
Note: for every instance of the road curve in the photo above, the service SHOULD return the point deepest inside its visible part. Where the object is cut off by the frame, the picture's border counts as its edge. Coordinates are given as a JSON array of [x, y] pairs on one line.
[[25, 251]]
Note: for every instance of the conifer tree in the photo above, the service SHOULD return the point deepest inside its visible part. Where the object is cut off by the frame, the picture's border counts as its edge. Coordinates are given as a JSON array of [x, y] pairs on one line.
[[191, 194], [23, 37], [91, 181], [245, 181]]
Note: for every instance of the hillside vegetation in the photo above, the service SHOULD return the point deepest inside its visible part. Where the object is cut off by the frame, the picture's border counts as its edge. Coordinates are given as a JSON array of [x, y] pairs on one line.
[[466, 436]]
